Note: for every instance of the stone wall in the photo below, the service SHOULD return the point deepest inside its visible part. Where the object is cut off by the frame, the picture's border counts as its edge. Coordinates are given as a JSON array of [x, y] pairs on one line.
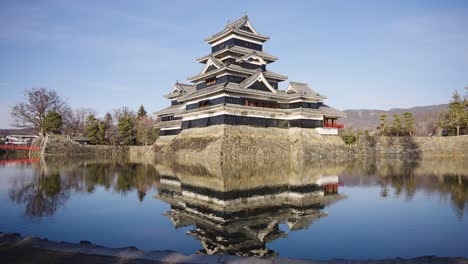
[[412, 146], [255, 147], [251, 146], [64, 147]]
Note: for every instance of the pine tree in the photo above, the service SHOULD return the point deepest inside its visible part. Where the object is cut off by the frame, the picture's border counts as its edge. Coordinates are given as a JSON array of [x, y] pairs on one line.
[[141, 112], [456, 113], [408, 121], [101, 136], [126, 128], [92, 129], [383, 125], [397, 127], [53, 122]]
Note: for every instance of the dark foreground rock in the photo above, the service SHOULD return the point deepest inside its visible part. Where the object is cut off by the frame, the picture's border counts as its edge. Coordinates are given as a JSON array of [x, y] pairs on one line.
[[17, 249]]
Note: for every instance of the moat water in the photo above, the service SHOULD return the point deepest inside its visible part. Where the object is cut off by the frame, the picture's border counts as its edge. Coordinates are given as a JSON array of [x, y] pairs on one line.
[[356, 210]]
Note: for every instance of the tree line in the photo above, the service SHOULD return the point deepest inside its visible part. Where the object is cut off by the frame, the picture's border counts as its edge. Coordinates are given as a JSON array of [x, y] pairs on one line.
[[452, 122], [47, 113]]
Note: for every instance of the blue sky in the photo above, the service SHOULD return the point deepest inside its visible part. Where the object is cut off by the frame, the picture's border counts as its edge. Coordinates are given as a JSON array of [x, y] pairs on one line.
[[107, 54]]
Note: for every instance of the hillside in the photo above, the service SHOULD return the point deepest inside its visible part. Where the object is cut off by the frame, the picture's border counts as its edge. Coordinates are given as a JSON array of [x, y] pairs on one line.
[[368, 119]]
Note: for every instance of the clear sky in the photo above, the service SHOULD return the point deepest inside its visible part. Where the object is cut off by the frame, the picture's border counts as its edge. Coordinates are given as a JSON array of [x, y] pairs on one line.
[[106, 54]]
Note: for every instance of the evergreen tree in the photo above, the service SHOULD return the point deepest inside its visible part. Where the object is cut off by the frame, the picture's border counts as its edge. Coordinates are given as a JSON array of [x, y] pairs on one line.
[[349, 137], [397, 126], [383, 125], [92, 129], [408, 120], [53, 122], [456, 113], [141, 112], [101, 136], [126, 128]]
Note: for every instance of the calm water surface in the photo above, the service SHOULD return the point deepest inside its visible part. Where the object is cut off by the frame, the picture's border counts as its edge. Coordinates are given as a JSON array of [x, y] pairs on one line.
[[374, 209]]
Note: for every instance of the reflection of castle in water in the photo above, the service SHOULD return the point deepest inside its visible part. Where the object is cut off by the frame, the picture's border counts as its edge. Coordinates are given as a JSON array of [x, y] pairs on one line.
[[239, 217]]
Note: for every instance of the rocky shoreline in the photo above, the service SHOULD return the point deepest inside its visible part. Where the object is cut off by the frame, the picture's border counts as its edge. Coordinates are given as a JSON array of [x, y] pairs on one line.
[[17, 249]]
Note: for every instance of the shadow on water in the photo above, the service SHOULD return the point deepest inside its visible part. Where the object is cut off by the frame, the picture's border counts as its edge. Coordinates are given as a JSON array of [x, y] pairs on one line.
[[237, 210]]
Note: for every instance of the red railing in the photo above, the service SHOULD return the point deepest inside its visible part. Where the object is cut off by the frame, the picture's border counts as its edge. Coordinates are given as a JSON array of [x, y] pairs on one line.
[[334, 125], [19, 161], [19, 147]]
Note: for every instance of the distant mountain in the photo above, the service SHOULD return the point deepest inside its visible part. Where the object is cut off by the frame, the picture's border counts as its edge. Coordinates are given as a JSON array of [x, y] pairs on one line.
[[366, 119], [21, 131]]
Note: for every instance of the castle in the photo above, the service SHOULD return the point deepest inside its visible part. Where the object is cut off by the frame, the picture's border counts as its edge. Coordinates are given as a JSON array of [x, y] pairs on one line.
[[235, 88]]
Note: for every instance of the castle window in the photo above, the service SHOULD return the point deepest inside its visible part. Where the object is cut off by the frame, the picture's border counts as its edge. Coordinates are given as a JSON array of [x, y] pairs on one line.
[[210, 81], [204, 104]]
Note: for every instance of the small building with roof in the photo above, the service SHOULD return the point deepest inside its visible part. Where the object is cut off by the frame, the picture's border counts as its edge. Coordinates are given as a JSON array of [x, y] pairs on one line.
[[234, 87]]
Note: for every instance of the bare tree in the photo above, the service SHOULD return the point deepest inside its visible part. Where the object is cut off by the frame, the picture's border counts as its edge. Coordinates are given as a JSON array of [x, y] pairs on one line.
[[123, 111], [146, 133], [75, 121], [31, 114]]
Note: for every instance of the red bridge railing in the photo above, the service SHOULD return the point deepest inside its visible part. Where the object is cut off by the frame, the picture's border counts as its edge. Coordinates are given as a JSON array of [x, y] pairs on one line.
[[334, 125], [19, 147]]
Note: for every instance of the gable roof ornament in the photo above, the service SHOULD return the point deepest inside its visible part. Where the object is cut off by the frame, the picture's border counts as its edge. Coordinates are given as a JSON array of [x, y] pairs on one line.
[[252, 58], [212, 61], [257, 77], [179, 89]]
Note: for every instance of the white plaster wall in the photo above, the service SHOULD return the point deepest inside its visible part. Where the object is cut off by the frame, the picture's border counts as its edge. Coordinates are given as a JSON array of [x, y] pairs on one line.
[[327, 131]]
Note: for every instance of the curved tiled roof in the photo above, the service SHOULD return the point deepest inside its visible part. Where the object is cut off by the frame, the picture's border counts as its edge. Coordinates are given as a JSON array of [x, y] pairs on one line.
[[239, 69], [171, 109], [242, 51], [181, 88], [236, 27], [301, 88], [328, 110]]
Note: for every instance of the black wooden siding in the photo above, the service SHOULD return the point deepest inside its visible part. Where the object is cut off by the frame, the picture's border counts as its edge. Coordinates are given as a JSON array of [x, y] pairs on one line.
[[222, 79], [236, 42], [241, 101], [251, 121]]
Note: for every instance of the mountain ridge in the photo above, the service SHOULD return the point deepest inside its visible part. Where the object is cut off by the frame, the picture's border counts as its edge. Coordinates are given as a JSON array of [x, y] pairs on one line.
[[368, 119]]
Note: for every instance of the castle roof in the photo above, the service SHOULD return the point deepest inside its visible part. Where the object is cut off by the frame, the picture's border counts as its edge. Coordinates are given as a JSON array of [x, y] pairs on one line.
[[242, 27], [179, 89], [301, 88], [241, 51], [236, 69]]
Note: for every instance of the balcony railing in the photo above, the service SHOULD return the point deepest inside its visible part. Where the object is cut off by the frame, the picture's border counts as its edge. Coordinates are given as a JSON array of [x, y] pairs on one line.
[[333, 125]]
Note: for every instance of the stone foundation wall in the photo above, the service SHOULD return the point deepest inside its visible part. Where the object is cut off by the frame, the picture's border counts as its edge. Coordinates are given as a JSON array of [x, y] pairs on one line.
[[253, 146], [412, 146]]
